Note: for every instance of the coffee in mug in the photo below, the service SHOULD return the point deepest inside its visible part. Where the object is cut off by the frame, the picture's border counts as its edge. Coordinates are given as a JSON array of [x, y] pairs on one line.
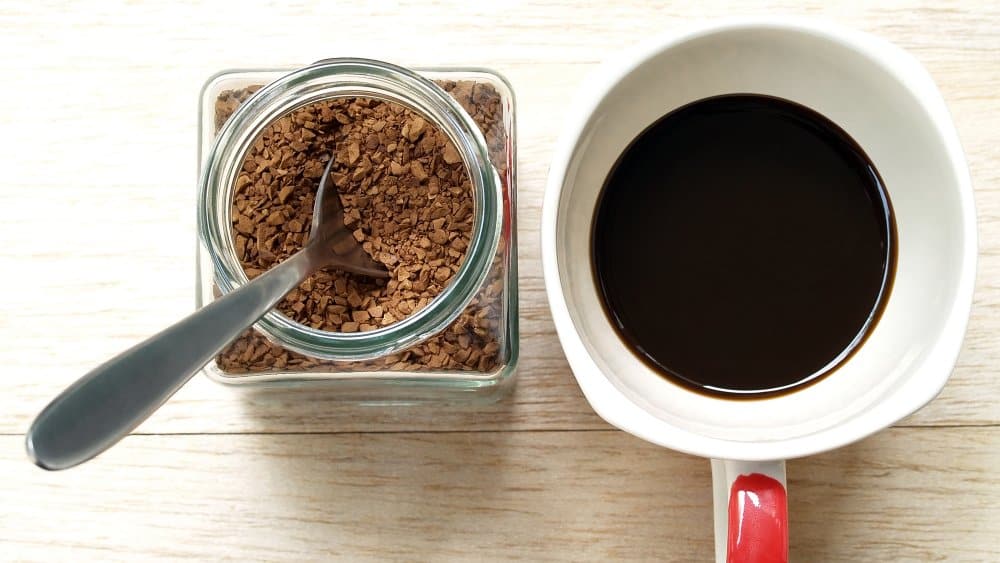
[[743, 246]]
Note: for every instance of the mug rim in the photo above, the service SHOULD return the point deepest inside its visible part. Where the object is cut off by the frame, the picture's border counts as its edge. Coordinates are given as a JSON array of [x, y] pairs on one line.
[[613, 405]]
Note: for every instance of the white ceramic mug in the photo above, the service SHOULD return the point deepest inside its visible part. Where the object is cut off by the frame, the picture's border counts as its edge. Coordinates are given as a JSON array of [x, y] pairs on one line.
[[888, 103]]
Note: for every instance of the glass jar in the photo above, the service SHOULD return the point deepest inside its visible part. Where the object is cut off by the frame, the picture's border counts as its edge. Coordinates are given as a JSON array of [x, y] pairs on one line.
[[464, 342]]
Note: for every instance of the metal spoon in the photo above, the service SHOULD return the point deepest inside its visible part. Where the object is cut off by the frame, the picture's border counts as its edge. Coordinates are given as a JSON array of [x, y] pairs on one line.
[[102, 407]]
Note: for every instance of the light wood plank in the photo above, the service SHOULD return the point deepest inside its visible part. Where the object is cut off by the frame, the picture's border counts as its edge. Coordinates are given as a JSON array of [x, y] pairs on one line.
[[903, 495]]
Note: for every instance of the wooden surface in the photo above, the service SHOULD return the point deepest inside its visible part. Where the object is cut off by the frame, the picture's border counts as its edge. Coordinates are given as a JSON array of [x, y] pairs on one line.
[[98, 122]]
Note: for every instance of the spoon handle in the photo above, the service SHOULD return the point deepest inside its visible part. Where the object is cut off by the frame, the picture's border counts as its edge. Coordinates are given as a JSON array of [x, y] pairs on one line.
[[103, 406]]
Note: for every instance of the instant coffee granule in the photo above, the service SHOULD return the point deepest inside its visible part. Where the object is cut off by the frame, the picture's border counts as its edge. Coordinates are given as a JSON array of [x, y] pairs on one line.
[[407, 197]]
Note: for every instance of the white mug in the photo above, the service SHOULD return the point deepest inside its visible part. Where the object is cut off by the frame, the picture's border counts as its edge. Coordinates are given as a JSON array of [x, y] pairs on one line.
[[888, 103]]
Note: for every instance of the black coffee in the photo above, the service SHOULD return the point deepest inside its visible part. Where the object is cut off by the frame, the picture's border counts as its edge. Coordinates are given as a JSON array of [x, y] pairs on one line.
[[744, 245]]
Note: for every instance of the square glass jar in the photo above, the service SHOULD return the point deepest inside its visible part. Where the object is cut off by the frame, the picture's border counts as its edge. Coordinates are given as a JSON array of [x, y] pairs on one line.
[[421, 364]]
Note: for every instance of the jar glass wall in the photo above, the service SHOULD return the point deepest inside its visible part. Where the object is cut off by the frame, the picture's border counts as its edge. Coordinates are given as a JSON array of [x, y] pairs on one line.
[[463, 344]]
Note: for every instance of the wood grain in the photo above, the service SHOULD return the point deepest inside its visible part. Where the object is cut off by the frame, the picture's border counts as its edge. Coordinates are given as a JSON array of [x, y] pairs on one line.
[[912, 494], [98, 114]]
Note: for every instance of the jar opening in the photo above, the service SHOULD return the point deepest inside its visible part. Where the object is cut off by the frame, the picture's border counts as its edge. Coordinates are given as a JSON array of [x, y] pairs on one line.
[[353, 78]]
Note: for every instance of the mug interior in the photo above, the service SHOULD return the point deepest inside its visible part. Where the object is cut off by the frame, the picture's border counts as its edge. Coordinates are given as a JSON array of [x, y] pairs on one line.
[[889, 105]]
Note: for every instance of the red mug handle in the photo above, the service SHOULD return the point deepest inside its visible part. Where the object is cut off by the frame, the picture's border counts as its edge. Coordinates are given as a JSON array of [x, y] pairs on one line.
[[751, 512]]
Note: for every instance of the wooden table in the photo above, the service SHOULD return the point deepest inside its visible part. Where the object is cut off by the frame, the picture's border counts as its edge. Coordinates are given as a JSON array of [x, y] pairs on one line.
[[98, 121]]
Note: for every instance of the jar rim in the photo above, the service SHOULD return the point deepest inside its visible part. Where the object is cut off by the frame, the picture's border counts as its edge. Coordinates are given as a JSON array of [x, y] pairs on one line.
[[351, 78]]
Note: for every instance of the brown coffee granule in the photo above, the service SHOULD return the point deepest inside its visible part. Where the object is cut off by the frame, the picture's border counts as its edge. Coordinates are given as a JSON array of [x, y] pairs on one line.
[[406, 195], [410, 208], [227, 102]]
